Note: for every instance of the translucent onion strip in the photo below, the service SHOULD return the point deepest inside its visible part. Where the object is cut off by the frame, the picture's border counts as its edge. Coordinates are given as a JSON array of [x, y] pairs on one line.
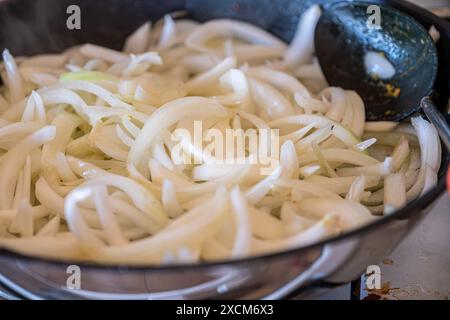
[[15, 82], [15, 159]]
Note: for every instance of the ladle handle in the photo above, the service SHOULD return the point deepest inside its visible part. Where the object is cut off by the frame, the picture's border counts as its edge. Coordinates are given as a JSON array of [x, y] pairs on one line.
[[441, 125]]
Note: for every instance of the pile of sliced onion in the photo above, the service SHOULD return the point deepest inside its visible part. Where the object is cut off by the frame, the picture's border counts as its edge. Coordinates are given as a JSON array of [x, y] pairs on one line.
[[90, 171]]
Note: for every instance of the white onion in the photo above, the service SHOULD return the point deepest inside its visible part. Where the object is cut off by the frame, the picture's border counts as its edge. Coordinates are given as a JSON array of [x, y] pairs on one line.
[[15, 159], [301, 48], [197, 84], [380, 126], [139, 40], [15, 83], [272, 104], [223, 28], [242, 242], [394, 193], [98, 52]]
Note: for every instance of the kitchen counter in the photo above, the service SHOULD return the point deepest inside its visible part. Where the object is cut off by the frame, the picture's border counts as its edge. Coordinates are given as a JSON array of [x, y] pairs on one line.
[[419, 269]]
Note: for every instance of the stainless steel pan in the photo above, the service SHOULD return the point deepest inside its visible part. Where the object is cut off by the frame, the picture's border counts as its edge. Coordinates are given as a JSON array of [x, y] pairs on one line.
[[29, 27]]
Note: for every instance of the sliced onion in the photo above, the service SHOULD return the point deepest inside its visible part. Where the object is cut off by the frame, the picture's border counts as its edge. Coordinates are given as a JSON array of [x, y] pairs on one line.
[[15, 82], [265, 226], [92, 76], [165, 117], [431, 180], [392, 138], [325, 166], [306, 144], [308, 188], [380, 126], [237, 81], [258, 191], [281, 80], [45, 60], [169, 200], [51, 247], [340, 155], [139, 40], [364, 145], [294, 222], [198, 84], [51, 228], [272, 104], [309, 170], [241, 211], [394, 193], [342, 185], [338, 103], [289, 160], [15, 159], [325, 228], [357, 188], [119, 167], [351, 214], [222, 28], [142, 198], [4, 105], [160, 173], [400, 153], [301, 48], [384, 168], [297, 135], [310, 104], [191, 229], [98, 52], [96, 90], [167, 33]]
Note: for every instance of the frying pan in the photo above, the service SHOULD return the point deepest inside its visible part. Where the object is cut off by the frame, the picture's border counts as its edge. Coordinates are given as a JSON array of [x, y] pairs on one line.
[[30, 27]]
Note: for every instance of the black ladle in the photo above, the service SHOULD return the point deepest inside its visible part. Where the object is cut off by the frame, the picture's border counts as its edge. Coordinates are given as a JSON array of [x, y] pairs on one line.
[[345, 33]]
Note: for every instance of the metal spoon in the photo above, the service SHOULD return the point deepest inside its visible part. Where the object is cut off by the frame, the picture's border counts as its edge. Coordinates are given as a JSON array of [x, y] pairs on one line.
[[345, 34]]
